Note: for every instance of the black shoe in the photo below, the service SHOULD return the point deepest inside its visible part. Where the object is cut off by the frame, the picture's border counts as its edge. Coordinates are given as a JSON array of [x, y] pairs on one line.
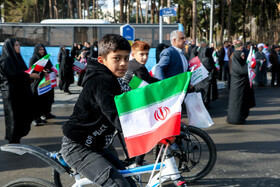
[[50, 116], [67, 92], [37, 123]]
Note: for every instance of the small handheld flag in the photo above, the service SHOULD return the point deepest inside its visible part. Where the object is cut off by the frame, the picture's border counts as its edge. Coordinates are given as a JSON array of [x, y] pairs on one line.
[[39, 65]]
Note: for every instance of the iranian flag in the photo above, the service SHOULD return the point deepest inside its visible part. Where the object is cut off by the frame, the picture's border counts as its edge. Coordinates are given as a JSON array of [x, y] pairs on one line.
[[251, 63], [136, 82], [251, 59], [39, 65], [152, 113], [215, 58]]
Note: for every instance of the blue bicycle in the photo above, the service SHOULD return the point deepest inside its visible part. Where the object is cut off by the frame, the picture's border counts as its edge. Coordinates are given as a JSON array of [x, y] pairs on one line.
[[190, 158]]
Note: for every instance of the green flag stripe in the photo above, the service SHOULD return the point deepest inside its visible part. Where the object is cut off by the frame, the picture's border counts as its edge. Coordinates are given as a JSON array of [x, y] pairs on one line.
[[135, 82], [152, 93], [46, 57]]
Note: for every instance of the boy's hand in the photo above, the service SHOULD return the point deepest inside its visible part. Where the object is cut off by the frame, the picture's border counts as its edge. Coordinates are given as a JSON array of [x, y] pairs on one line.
[[184, 122], [169, 140]]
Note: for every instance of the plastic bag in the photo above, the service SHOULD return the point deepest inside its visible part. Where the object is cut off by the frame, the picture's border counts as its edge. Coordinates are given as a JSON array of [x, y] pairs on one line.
[[197, 114]]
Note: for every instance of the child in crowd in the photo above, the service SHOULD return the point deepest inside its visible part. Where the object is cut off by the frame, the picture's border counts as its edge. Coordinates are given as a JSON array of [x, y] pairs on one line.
[[136, 66], [94, 120]]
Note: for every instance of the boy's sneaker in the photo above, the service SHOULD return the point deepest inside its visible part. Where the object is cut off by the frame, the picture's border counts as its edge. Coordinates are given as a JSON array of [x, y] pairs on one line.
[[50, 116], [134, 165]]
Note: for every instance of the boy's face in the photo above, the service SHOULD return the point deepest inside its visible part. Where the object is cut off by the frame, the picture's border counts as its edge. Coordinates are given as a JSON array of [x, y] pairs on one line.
[[141, 56], [116, 62]]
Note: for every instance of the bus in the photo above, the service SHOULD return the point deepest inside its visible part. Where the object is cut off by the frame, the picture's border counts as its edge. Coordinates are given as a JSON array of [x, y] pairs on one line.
[[57, 32]]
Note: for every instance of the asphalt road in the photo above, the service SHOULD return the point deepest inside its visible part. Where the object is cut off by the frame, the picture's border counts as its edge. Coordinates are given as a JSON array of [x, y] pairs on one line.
[[247, 155]]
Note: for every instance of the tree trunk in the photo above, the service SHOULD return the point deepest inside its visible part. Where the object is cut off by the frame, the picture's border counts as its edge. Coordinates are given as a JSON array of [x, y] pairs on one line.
[[141, 12], [153, 8], [194, 23], [223, 22], [37, 12], [79, 9], [44, 10], [229, 19], [97, 14], [244, 21], [178, 12], [93, 9], [147, 10], [70, 9], [128, 11], [51, 9], [168, 5], [121, 11], [114, 11], [55, 10], [137, 11], [87, 8], [260, 25]]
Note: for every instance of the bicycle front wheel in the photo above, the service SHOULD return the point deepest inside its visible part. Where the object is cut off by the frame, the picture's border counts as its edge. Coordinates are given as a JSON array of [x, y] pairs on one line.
[[197, 155], [29, 182]]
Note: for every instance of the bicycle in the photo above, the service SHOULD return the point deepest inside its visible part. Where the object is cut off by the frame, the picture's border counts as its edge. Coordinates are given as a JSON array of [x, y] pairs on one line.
[[178, 163]]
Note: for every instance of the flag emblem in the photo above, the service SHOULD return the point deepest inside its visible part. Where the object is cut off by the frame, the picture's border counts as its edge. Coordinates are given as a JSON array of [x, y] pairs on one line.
[[161, 113]]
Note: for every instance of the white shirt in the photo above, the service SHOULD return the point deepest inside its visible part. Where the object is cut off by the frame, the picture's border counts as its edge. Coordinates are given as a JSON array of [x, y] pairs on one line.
[[184, 60]]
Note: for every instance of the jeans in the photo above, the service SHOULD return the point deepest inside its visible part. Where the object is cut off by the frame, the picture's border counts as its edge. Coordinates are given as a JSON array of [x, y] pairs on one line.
[[99, 167]]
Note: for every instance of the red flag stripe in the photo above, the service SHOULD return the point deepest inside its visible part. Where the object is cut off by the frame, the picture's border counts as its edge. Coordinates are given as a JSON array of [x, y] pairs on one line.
[[147, 141]]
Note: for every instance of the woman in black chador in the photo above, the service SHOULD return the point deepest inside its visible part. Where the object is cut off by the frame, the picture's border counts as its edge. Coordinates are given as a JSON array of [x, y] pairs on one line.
[[16, 92], [241, 96], [66, 75], [208, 87], [44, 102]]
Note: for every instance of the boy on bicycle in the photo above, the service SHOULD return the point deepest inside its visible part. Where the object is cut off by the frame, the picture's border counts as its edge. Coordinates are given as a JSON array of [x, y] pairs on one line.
[[94, 120]]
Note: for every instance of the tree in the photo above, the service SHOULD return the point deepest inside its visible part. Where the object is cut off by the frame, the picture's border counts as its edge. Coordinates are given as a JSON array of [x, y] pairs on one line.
[[70, 9], [51, 9], [128, 11], [229, 19], [121, 10], [194, 18]]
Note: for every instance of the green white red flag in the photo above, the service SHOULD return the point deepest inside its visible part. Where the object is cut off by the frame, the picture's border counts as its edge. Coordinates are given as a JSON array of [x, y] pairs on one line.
[[152, 113], [251, 59], [39, 65], [251, 63], [215, 58], [136, 82]]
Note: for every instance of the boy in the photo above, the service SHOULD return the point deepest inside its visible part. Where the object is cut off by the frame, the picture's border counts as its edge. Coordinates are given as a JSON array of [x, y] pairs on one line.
[[136, 66], [95, 118]]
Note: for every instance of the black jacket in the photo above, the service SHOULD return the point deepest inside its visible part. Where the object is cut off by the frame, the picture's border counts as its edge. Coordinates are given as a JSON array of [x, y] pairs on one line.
[[95, 116], [140, 71]]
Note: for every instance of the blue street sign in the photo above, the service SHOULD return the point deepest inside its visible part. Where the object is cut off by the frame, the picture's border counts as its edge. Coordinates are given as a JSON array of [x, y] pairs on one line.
[[128, 32], [166, 12]]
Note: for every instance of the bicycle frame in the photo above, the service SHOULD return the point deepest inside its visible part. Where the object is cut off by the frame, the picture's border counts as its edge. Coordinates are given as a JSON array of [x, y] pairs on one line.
[[169, 167], [169, 172]]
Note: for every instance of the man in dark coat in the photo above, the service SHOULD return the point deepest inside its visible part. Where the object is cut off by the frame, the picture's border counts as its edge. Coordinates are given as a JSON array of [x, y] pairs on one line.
[[274, 59], [16, 92], [223, 62], [241, 96], [172, 59]]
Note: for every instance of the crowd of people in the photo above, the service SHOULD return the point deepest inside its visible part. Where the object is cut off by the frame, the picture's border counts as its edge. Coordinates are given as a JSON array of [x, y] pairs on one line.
[[110, 65]]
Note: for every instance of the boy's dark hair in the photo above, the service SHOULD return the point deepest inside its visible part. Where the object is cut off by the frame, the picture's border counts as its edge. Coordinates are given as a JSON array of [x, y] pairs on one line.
[[112, 42]]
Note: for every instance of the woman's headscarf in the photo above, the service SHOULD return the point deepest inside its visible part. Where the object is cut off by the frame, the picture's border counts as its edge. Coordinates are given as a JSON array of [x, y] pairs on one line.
[[16, 61], [159, 49]]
